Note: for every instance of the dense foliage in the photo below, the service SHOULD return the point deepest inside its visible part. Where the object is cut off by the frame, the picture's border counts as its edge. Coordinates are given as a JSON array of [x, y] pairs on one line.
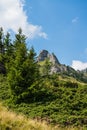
[[22, 70], [29, 89]]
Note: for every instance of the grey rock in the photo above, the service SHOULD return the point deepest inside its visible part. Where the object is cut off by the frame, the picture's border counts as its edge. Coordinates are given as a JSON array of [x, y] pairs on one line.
[[56, 66], [43, 55], [53, 59]]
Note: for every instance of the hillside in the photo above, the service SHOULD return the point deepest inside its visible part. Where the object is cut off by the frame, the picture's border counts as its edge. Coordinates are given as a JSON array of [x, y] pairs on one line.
[[12, 121], [41, 88], [62, 102]]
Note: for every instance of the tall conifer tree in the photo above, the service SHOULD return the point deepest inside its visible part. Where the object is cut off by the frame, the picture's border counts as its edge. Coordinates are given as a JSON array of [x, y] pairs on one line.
[[23, 70]]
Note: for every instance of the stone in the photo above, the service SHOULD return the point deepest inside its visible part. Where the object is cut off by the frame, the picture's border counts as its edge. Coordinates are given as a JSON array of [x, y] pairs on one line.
[[56, 66], [43, 55], [53, 59]]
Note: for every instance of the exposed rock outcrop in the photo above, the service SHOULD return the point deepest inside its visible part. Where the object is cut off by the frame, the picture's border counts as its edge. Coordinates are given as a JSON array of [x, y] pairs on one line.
[[53, 59], [56, 66], [44, 54]]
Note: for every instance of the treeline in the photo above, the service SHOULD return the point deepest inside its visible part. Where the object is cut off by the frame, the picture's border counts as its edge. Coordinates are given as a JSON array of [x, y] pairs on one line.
[[20, 66]]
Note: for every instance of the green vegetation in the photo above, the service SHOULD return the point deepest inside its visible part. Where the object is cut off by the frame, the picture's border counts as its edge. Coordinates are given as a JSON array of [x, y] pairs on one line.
[[25, 88], [12, 121], [57, 102], [45, 67]]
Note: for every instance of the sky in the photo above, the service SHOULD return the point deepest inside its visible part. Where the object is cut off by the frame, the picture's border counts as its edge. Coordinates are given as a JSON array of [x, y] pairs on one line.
[[59, 26]]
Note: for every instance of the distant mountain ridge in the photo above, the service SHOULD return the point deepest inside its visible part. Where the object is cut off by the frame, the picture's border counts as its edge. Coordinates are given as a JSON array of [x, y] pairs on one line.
[[45, 54], [57, 67]]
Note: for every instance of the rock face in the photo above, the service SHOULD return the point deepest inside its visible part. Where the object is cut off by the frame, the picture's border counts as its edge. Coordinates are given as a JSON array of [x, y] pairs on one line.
[[53, 59], [56, 66], [44, 54]]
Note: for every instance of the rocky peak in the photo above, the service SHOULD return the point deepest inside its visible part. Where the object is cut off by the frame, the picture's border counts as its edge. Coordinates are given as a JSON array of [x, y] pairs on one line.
[[56, 65], [45, 54], [53, 59]]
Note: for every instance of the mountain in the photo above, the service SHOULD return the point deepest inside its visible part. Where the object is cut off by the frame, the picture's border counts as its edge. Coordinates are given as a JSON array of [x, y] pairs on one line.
[[59, 68], [45, 54], [56, 67], [57, 99]]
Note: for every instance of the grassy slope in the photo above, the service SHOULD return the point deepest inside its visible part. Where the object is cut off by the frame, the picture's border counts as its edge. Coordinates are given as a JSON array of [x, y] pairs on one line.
[[11, 121], [67, 104]]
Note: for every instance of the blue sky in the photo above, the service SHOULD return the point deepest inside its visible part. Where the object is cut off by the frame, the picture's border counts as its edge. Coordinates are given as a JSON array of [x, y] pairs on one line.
[[59, 26], [65, 22]]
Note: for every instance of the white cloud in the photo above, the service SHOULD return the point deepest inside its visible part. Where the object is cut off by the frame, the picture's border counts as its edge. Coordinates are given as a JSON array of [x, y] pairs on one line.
[[75, 20], [78, 65], [12, 16]]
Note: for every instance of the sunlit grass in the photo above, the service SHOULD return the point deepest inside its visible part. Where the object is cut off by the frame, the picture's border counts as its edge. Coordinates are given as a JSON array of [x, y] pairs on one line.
[[11, 121]]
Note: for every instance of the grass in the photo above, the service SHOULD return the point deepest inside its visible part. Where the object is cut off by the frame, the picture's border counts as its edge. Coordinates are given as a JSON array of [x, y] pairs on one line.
[[12, 121]]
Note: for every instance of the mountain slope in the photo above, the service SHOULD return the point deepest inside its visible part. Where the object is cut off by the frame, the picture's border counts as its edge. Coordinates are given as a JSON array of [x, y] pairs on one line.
[[58, 100], [12, 121], [58, 68]]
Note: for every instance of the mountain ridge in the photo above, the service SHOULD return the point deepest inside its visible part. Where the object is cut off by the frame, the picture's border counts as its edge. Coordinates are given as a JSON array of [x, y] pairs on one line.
[[57, 67]]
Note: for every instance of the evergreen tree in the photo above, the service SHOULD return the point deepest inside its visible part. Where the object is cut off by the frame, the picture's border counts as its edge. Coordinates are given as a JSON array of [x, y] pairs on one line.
[[7, 44], [2, 50], [1, 41], [19, 38], [23, 71]]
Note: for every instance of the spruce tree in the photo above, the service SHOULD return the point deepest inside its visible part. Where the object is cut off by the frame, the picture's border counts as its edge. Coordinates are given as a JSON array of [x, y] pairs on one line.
[[1, 41], [7, 44], [23, 71], [2, 51]]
